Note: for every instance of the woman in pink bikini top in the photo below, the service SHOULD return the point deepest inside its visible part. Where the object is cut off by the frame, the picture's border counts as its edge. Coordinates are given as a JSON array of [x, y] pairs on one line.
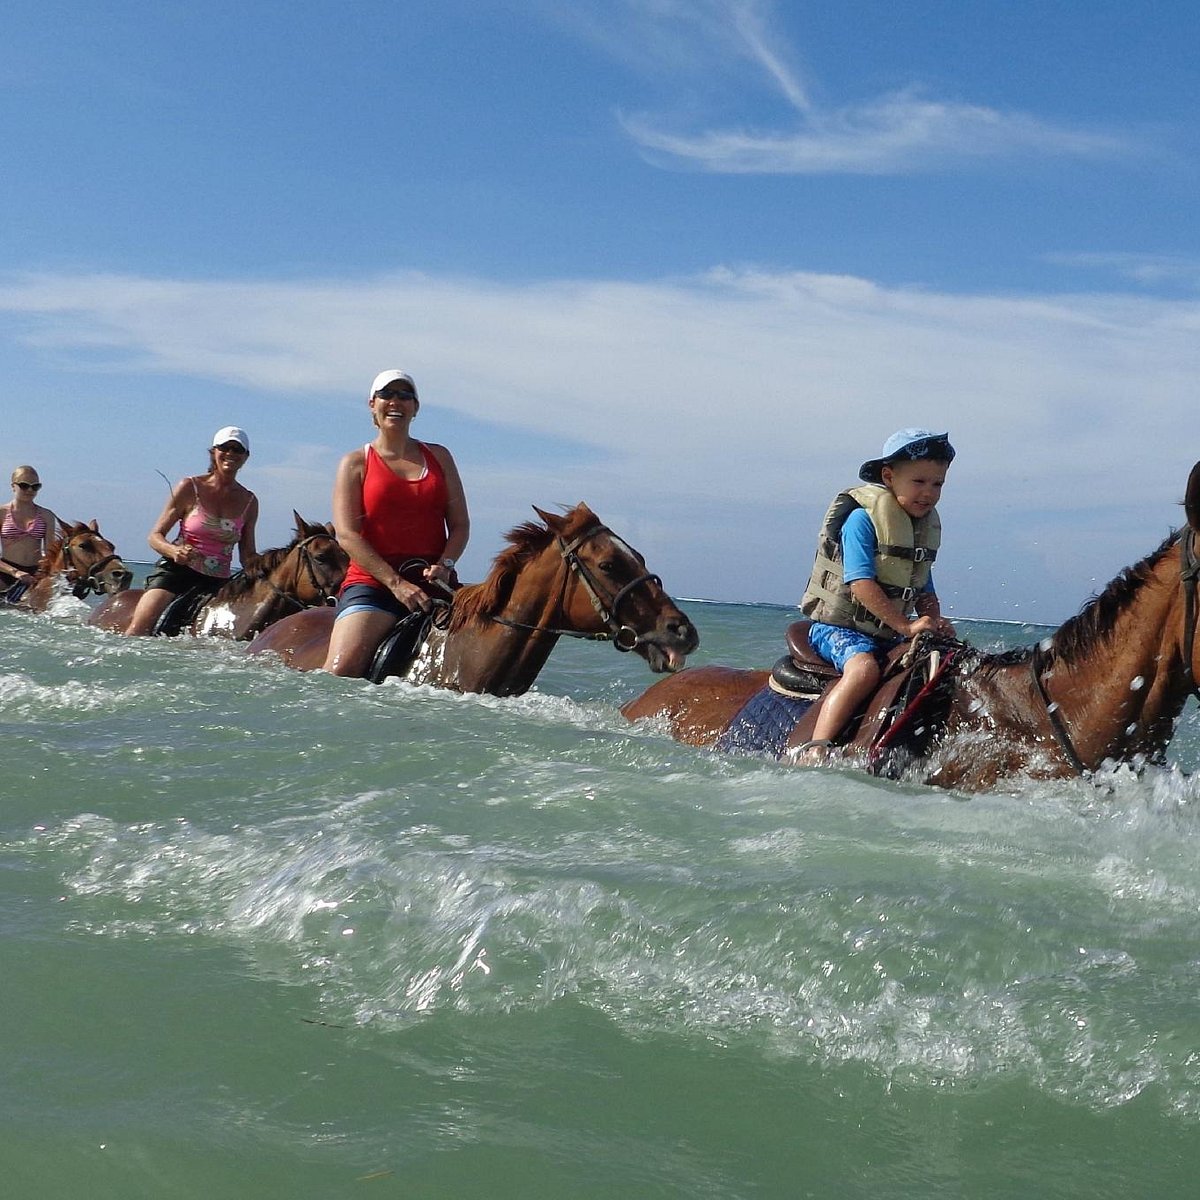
[[215, 514]]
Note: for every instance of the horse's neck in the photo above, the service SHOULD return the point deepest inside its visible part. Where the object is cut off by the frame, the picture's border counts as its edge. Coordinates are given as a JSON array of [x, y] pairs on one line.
[[1118, 697], [488, 656]]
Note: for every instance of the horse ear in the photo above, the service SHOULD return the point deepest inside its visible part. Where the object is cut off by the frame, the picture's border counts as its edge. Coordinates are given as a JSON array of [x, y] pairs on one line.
[[550, 520], [301, 523], [93, 526], [1191, 503]]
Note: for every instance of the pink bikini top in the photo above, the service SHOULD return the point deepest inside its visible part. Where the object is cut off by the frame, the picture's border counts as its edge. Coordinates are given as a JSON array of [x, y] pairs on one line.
[[35, 531], [214, 537]]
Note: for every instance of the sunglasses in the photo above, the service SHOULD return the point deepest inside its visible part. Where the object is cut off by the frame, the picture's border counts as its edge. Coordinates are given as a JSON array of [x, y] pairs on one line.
[[395, 394], [232, 448], [28, 487]]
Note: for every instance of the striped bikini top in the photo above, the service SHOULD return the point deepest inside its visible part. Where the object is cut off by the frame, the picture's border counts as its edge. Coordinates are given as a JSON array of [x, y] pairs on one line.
[[35, 531]]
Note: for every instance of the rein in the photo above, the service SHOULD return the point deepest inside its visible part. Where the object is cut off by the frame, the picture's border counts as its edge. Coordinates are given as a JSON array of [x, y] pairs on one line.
[[1189, 573], [1189, 570], [306, 558], [292, 597], [623, 637]]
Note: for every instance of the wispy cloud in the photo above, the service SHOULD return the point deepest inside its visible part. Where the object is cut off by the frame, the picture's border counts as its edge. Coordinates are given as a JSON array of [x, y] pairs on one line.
[[1148, 270], [903, 131], [896, 134]]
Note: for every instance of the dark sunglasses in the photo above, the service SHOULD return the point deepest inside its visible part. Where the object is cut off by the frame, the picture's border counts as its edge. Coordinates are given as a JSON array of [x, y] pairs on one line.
[[232, 448], [395, 394], [28, 487]]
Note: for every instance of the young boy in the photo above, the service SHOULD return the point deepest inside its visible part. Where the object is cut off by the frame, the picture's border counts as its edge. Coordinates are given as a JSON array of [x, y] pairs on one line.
[[872, 570]]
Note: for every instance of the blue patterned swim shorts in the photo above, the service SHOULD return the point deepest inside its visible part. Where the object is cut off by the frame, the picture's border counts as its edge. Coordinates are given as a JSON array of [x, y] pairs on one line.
[[838, 645]]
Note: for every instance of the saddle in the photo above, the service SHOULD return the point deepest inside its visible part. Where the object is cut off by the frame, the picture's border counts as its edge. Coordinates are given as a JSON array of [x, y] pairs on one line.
[[398, 649], [180, 613], [402, 645], [900, 722], [802, 671]]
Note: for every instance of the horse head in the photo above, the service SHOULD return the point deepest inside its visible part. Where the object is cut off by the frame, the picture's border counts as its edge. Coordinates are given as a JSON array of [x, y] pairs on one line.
[[89, 558], [610, 593], [322, 561]]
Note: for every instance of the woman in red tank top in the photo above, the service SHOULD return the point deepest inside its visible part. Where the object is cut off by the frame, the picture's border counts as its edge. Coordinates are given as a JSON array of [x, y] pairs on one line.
[[393, 500]]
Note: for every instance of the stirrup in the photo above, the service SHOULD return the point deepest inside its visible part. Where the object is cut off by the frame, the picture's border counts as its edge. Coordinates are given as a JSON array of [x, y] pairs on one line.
[[800, 751]]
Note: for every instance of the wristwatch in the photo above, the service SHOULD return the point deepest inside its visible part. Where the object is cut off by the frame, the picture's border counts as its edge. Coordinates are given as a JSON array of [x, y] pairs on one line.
[[448, 563]]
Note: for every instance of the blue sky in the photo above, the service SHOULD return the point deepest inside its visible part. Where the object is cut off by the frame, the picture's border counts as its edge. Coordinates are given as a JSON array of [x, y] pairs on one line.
[[691, 262]]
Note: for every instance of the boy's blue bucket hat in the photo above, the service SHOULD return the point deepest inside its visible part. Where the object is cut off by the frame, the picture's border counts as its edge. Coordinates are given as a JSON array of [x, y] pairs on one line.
[[907, 444]]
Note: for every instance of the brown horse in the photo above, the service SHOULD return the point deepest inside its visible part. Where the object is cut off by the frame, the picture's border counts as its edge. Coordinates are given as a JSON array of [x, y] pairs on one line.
[[287, 579], [570, 577], [1107, 688], [82, 556]]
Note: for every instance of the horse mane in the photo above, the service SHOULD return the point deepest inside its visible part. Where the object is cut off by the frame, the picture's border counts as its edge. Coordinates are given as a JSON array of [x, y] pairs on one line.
[[1096, 620], [475, 602], [262, 566]]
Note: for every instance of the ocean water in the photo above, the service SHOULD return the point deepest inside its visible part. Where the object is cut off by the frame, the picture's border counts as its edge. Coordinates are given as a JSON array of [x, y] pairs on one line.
[[279, 935]]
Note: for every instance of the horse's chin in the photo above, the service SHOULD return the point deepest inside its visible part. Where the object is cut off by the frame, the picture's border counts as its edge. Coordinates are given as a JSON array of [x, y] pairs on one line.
[[115, 585], [662, 659]]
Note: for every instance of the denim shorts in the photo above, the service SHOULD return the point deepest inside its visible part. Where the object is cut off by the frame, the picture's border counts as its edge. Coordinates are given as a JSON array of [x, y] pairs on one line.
[[838, 645], [366, 597]]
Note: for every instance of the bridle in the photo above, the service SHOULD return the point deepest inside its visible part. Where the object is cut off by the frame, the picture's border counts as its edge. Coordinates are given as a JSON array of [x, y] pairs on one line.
[[87, 583], [1189, 573], [623, 637], [309, 567]]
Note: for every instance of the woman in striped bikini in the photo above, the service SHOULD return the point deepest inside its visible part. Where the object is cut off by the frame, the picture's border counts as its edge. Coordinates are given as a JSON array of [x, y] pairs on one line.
[[25, 528]]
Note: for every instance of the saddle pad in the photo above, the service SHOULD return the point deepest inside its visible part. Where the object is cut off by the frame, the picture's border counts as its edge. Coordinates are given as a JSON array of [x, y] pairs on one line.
[[16, 591], [763, 725], [180, 613], [398, 649]]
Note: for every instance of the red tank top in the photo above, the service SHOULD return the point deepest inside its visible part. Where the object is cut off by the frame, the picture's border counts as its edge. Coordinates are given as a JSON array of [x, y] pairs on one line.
[[402, 518]]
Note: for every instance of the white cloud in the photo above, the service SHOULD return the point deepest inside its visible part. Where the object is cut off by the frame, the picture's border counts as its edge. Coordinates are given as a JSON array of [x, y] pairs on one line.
[[721, 411], [900, 133]]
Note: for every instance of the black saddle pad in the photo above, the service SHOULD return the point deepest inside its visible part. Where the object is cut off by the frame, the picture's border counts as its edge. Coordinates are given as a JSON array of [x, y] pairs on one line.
[[14, 594], [398, 649], [180, 613]]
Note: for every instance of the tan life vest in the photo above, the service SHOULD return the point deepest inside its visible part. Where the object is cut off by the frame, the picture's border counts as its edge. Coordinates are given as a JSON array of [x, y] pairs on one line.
[[905, 551]]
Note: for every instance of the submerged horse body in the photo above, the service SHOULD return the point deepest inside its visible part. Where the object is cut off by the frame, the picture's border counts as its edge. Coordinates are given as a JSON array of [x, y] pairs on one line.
[[570, 576], [1106, 688], [83, 557], [285, 580]]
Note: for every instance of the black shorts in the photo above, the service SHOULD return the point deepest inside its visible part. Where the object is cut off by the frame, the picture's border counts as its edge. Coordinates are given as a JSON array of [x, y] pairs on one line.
[[176, 578]]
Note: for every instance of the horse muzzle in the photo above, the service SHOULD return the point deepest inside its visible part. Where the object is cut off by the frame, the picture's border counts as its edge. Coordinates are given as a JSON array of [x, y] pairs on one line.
[[114, 577], [666, 650]]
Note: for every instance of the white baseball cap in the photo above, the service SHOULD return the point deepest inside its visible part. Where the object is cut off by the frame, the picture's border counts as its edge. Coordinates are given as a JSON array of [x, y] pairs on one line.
[[231, 433], [385, 377]]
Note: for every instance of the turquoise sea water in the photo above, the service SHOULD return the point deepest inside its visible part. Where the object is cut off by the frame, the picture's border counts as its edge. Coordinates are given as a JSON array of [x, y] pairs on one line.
[[273, 935]]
